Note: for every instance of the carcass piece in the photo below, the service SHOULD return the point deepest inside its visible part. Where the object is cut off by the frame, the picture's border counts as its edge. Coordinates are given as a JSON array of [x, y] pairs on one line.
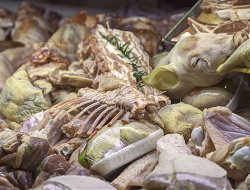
[[20, 99], [221, 126], [30, 26], [117, 68], [234, 10], [89, 21], [72, 182], [114, 147], [244, 185], [145, 30], [75, 78], [77, 169], [224, 126], [30, 123], [43, 62], [31, 153], [191, 64], [178, 118], [178, 169], [71, 130], [20, 178], [167, 22], [3, 124], [55, 19], [234, 157], [225, 28], [6, 23], [63, 94], [134, 174], [66, 146], [137, 23], [9, 141], [200, 142], [18, 56], [7, 44], [56, 165], [208, 18], [45, 86], [10, 60], [117, 52], [6, 185], [52, 165], [150, 40], [207, 97], [123, 102], [22, 151], [112, 19], [5, 72], [43, 72], [44, 55], [65, 40], [44, 126]]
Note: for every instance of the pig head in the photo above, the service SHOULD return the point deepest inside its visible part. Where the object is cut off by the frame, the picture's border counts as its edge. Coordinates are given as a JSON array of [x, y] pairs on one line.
[[193, 62]]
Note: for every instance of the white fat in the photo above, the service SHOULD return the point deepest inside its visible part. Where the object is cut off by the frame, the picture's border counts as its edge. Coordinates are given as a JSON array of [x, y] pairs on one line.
[[241, 157], [40, 116], [197, 135], [112, 49]]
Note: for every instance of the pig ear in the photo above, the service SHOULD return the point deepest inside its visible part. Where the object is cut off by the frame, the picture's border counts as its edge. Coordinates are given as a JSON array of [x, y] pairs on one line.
[[239, 56], [163, 77]]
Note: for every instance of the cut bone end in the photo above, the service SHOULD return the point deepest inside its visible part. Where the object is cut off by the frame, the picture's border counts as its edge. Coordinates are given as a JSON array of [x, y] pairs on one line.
[[239, 38]]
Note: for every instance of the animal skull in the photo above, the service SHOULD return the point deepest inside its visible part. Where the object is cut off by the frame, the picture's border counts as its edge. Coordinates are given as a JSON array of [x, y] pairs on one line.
[[193, 62]]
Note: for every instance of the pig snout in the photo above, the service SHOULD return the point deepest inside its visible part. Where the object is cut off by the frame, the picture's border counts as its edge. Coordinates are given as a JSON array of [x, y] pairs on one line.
[[240, 37]]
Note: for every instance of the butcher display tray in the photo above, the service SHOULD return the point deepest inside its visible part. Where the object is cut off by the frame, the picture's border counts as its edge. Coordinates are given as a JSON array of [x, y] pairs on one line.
[[183, 23]]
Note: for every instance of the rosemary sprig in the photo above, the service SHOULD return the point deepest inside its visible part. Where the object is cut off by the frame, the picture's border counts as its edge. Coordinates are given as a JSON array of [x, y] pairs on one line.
[[124, 48]]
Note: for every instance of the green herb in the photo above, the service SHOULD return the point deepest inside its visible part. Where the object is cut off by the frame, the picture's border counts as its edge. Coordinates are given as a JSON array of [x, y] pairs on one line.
[[124, 48], [82, 154]]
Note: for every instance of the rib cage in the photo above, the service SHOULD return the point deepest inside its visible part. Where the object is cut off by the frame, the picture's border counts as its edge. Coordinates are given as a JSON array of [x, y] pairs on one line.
[[121, 103], [117, 99]]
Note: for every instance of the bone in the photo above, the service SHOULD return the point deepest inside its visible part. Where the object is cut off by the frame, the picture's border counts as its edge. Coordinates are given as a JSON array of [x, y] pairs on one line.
[[81, 113], [106, 118], [111, 123], [239, 38], [75, 107], [125, 118], [90, 116], [98, 118], [62, 103], [65, 105]]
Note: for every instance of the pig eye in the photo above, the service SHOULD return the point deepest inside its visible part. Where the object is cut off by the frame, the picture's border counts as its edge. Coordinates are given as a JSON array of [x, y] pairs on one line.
[[195, 63]]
